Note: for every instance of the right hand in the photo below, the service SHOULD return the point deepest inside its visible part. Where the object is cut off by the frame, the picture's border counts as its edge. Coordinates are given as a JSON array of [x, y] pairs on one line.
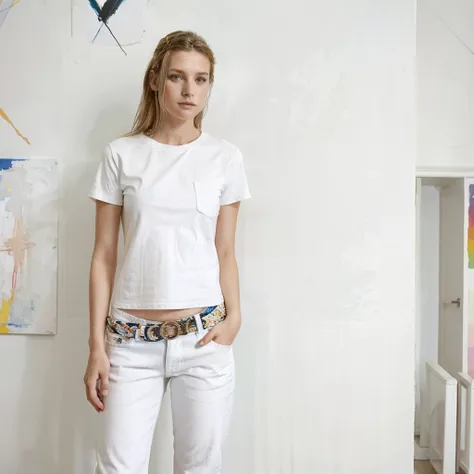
[[96, 378]]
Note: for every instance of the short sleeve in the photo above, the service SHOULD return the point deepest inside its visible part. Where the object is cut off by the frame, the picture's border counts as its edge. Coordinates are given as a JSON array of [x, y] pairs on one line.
[[235, 187], [106, 186]]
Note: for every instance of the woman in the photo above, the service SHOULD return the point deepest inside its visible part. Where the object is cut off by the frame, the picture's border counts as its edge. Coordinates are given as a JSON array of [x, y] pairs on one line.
[[175, 307]]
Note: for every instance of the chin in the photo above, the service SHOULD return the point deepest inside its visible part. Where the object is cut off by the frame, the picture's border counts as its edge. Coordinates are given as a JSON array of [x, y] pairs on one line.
[[185, 115]]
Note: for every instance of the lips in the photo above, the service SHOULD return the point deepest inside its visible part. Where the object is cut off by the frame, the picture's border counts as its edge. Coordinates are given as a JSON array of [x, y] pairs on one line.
[[187, 103]]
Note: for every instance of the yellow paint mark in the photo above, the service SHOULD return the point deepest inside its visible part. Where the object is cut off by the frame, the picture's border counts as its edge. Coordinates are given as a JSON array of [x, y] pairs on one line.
[[4, 314], [7, 119], [13, 3]]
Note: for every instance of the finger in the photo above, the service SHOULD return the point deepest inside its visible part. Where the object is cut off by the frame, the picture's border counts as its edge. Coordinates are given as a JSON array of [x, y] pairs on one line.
[[93, 397], [104, 384], [207, 338]]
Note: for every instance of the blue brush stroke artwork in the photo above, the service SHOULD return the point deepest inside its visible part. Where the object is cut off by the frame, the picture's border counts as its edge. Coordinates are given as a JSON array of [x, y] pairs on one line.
[[104, 13]]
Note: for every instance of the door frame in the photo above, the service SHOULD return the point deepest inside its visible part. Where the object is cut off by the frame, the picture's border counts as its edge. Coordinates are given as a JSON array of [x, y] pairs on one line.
[[433, 172], [444, 172]]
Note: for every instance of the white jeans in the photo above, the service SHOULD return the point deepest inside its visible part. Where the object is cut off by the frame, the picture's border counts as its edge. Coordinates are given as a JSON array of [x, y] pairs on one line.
[[201, 381]]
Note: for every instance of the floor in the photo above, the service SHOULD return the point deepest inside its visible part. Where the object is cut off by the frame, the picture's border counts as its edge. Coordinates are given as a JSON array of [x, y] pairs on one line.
[[423, 467]]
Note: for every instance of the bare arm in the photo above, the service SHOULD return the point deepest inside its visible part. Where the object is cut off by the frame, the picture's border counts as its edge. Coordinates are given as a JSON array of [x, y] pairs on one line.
[[102, 275], [226, 332], [229, 273], [103, 267]]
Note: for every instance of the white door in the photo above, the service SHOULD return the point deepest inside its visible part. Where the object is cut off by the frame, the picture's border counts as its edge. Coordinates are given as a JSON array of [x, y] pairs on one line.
[[452, 348], [427, 308]]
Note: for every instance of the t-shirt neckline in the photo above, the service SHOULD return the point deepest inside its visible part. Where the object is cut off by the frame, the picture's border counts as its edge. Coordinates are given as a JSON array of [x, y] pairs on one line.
[[174, 147]]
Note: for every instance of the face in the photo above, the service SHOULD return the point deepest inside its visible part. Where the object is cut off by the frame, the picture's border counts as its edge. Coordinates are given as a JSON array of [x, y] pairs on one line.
[[187, 85]]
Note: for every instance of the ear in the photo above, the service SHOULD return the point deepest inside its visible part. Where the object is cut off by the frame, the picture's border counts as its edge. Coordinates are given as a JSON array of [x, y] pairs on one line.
[[153, 81]]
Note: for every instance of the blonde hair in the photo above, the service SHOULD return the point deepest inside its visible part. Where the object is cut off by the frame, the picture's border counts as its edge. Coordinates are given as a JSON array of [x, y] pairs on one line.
[[149, 116]]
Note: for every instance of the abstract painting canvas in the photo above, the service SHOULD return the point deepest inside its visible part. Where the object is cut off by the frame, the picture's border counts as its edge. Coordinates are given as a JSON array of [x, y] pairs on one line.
[[28, 246]]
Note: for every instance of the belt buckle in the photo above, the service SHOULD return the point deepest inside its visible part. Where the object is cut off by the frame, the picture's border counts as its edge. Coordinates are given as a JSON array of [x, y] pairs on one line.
[[169, 330]]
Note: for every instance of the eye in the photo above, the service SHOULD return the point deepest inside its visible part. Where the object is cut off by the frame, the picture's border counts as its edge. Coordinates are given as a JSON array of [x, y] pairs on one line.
[[201, 80], [174, 77]]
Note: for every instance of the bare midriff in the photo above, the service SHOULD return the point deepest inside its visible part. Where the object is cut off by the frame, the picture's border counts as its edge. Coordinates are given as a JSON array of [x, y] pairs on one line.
[[163, 314]]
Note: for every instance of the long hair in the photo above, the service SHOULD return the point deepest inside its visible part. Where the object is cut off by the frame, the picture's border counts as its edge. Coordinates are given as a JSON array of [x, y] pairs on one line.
[[150, 113]]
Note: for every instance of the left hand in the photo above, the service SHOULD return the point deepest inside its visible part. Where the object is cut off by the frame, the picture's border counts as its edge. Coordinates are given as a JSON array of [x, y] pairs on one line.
[[223, 333]]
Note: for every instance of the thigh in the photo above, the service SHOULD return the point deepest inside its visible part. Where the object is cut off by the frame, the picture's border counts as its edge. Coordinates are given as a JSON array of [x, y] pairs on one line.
[[202, 399], [136, 388]]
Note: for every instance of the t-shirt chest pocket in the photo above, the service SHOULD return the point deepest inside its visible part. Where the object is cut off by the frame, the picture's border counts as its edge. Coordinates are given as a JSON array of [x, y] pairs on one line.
[[207, 195]]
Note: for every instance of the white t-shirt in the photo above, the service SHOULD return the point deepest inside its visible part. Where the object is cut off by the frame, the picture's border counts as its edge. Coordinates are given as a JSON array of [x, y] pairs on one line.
[[171, 196]]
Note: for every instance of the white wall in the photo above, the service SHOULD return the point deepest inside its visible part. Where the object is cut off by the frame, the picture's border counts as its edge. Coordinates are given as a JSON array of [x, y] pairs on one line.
[[427, 321], [320, 97], [445, 68]]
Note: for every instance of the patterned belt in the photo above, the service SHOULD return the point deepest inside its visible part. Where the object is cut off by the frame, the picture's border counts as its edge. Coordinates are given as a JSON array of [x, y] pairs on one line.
[[168, 330]]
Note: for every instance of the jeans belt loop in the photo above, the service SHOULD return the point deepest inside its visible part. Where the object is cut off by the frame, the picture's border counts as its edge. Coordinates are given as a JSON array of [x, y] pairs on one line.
[[199, 326]]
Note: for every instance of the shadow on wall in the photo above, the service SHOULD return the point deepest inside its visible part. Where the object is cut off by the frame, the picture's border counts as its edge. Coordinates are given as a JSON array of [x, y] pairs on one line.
[[109, 124], [76, 229], [38, 402], [56, 426]]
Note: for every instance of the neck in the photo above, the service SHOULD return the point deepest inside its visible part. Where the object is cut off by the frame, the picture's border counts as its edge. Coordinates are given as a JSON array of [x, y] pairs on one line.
[[176, 134]]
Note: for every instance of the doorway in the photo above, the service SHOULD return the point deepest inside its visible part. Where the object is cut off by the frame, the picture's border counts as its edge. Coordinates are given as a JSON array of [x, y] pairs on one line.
[[442, 284]]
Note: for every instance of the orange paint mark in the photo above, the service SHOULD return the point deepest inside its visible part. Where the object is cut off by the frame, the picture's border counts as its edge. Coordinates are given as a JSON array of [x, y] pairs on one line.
[[7, 119]]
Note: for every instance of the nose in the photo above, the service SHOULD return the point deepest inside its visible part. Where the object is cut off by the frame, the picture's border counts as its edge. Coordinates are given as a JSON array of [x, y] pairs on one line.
[[188, 89]]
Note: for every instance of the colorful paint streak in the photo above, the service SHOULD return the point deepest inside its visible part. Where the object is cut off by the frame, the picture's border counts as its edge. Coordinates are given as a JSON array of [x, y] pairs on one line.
[[469, 275], [5, 117], [4, 314], [470, 232], [16, 246], [28, 246]]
